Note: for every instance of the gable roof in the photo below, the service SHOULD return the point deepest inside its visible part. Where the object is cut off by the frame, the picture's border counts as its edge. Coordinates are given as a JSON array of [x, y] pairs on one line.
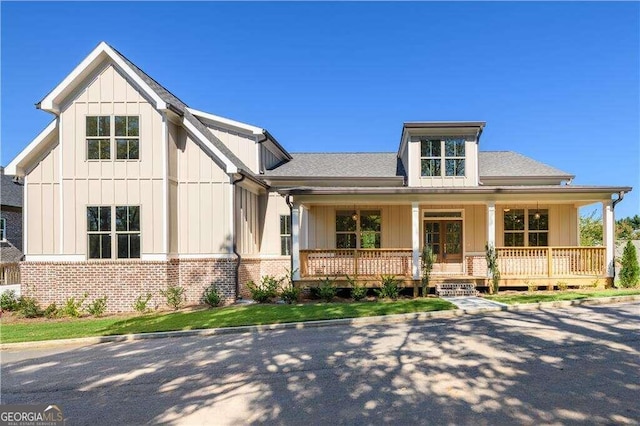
[[513, 164], [10, 191], [163, 98], [340, 164]]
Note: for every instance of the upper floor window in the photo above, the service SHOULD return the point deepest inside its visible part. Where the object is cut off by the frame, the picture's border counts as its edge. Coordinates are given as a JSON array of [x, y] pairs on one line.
[[526, 228], [435, 152], [98, 138], [285, 235], [100, 232], [127, 142], [358, 228], [3, 229], [122, 132]]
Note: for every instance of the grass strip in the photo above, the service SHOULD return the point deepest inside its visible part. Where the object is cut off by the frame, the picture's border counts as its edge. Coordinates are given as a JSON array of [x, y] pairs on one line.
[[535, 297], [230, 316]]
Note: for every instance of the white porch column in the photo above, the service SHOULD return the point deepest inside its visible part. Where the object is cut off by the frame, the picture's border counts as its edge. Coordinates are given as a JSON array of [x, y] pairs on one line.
[[491, 223], [608, 235], [295, 240], [415, 239]]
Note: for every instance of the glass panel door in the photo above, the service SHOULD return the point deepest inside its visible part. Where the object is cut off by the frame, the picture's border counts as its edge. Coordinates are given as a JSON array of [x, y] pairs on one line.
[[445, 239]]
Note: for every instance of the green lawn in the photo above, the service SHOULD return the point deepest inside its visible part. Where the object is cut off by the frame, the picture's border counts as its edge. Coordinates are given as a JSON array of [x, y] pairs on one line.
[[231, 316], [515, 299]]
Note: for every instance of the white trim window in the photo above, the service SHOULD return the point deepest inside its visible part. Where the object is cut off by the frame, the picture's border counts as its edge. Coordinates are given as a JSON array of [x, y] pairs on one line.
[[101, 230], [123, 132], [128, 232], [3, 229], [285, 235], [435, 152], [526, 227], [358, 229], [98, 134], [127, 132]]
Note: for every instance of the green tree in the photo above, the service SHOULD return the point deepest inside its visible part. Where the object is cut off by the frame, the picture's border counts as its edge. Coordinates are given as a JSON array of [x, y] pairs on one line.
[[630, 272], [591, 230], [628, 228]]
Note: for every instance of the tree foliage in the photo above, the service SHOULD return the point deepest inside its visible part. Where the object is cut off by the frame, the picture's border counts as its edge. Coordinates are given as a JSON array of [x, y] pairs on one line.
[[627, 228], [591, 230], [630, 272]]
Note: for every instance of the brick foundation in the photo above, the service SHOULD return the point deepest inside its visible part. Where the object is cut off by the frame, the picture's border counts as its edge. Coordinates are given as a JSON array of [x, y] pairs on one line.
[[253, 269], [477, 266], [124, 280]]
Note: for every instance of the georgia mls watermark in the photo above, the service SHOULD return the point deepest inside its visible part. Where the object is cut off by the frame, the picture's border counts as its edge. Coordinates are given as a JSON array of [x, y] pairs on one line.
[[31, 415]]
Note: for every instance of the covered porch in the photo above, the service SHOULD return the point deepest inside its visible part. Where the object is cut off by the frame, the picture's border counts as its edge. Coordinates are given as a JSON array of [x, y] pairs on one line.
[[369, 236]]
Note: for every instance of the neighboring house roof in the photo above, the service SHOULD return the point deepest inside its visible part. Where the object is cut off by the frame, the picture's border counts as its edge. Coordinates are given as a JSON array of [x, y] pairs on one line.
[[10, 191], [9, 253], [340, 164], [512, 164]]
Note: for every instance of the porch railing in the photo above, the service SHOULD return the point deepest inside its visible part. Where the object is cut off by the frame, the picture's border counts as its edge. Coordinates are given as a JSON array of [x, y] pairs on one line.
[[352, 262], [9, 273], [551, 261]]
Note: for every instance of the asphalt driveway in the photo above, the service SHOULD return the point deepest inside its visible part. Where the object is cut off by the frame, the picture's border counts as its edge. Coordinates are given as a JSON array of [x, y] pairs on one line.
[[575, 365]]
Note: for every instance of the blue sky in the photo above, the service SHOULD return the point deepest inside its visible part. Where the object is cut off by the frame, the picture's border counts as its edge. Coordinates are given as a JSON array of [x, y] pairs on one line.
[[559, 82]]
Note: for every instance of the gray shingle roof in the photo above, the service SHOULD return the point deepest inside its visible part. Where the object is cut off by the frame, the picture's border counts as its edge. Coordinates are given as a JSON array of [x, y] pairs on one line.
[[10, 192], [181, 107], [512, 164], [9, 253], [386, 164], [341, 164]]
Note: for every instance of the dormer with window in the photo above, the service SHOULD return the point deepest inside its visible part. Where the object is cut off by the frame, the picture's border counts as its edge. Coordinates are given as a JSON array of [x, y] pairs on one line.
[[441, 154]]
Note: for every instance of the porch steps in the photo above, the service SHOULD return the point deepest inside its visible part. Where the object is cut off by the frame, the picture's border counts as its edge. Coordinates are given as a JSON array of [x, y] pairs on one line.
[[456, 289]]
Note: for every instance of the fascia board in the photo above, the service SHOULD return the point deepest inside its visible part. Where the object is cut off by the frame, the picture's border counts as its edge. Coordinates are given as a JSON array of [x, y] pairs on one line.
[[229, 166], [17, 166], [87, 65]]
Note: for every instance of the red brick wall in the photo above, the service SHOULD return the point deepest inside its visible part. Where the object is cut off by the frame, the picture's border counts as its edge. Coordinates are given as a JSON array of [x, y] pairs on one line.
[[253, 269], [124, 280]]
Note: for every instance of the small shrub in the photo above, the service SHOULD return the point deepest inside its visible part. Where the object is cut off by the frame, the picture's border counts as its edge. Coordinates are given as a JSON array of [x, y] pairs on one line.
[[314, 293], [630, 271], [531, 286], [290, 294], [73, 308], [52, 311], [8, 301], [174, 295], [141, 303], [358, 292], [327, 290], [212, 296], [389, 288], [266, 291], [562, 285], [29, 307], [98, 307]]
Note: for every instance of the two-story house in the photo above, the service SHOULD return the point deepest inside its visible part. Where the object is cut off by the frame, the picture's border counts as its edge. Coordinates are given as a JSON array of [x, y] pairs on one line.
[[10, 228], [129, 190]]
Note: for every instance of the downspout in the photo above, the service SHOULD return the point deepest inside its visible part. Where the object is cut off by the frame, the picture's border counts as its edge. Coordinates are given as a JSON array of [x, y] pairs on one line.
[[235, 239], [290, 204], [613, 211]]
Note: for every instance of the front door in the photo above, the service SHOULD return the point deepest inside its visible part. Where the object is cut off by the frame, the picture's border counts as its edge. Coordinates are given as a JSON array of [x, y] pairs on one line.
[[445, 239]]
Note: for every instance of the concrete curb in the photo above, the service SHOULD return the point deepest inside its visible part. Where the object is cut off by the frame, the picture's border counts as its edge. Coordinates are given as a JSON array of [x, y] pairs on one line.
[[386, 319]]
